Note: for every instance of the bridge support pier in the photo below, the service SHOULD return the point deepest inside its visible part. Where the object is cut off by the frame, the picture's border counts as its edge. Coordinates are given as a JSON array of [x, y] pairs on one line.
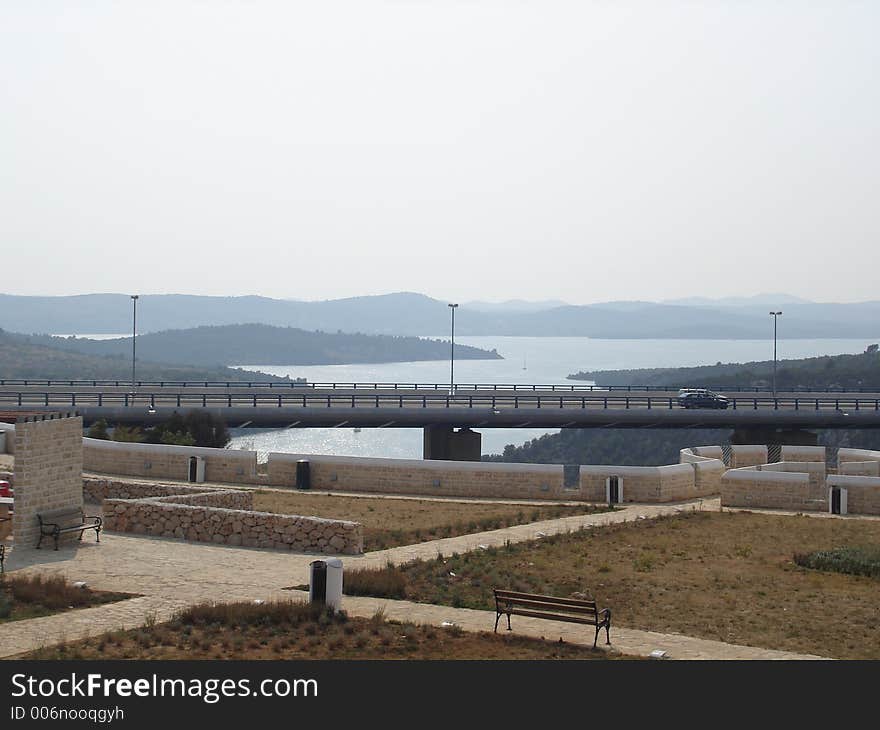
[[443, 442], [782, 436]]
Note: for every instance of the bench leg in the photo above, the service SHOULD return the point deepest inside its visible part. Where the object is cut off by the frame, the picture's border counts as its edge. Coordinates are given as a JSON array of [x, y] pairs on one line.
[[508, 623], [56, 536], [497, 618], [40, 540], [98, 534], [596, 637]]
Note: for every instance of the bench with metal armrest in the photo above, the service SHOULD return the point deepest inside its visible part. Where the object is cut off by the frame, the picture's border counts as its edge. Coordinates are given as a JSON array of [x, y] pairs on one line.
[[573, 610], [58, 522]]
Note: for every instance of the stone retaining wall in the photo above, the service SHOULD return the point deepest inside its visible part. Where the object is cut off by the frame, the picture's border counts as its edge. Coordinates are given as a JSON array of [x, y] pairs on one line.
[[862, 493], [644, 483], [168, 462], [221, 516], [425, 477], [96, 489], [233, 526], [851, 455], [803, 453], [749, 487], [860, 468], [747, 455]]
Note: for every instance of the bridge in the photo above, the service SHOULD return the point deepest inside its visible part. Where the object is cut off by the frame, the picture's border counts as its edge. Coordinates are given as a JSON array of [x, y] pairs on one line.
[[433, 408]]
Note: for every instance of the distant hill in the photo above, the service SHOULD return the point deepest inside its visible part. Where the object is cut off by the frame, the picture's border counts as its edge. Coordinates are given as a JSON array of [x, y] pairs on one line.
[[513, 305], [842, 371], [407, 313], [21, 357], [259, 344]]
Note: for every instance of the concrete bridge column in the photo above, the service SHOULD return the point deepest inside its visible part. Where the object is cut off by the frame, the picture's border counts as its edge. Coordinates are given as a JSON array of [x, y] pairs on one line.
[[445, 443], [782, 436]]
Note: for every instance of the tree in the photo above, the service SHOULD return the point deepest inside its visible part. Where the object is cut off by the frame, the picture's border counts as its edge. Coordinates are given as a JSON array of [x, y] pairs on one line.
[[207, 429], [197, 428], [127, 433], [98, 430]]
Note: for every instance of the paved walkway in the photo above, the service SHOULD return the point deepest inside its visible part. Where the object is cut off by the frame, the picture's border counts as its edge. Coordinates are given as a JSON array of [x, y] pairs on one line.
[[170, 574]]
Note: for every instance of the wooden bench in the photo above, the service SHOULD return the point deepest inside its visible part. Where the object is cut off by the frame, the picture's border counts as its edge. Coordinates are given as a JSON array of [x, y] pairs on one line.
[[58, 522], [573, 610]]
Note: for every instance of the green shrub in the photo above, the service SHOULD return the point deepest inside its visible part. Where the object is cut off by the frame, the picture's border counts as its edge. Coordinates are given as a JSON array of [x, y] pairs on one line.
[[851, 560]]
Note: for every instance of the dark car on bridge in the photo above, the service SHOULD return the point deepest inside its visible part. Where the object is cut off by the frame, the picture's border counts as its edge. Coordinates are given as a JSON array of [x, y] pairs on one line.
[[702, 399]]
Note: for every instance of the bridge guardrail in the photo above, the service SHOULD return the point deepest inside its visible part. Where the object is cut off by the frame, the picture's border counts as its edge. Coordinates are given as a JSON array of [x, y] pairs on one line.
[[75, 399], [459, 387]]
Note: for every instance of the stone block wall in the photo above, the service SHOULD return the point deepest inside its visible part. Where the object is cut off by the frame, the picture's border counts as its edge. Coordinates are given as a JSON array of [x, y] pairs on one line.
[[641, 483], [862, 493], [860, 468], [747, 455], [48, 471], [430, 478], [803, 453], [850, 455], [707, 477], [749, 487], [158, 461], [815, 470]]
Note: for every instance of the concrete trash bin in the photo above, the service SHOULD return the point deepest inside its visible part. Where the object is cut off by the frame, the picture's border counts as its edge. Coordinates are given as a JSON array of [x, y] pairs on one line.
[[303, 475], [325, 582]]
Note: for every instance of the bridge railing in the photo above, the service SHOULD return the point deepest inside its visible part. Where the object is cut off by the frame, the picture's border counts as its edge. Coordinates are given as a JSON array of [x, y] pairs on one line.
[[459, 387], [154, 399]]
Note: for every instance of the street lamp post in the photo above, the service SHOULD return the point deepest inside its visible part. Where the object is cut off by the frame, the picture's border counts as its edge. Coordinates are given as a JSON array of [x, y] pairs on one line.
[[452, 307], [775, 315], [134, 304]]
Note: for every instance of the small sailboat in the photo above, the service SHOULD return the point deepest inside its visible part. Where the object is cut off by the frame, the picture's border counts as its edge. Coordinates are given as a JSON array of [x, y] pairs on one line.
[[357, 429]]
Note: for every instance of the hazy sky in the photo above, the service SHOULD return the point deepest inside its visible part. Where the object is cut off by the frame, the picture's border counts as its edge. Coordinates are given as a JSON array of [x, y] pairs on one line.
[[584, 151]]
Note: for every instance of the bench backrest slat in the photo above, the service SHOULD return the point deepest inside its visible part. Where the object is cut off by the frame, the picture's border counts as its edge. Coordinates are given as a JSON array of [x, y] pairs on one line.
[[550, 601], [62, 516], [546, 606]]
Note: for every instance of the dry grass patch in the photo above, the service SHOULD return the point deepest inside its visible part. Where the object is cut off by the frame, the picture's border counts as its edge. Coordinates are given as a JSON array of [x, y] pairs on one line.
[[724, 576], [291, 630], [394, 522], [30, 596]]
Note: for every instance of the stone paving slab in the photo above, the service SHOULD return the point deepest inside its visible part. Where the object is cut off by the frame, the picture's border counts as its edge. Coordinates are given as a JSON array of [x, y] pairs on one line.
[[172, 574]]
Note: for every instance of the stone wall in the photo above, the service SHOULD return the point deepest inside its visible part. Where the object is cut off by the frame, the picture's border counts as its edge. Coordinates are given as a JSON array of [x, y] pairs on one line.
[[850, 455], [158, 461], [97, 489], [224, 526], [48, 471], [644, 483], [430, 477], [221, 516], [803, 453], [747, 455], [860, 468], [862, 493], [814, 470], [708, 465], [749, 487]]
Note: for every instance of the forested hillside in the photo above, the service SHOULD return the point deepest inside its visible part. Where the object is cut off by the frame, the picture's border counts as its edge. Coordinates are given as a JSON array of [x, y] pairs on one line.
[[839, 371], [21, 357], [260, 344]]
